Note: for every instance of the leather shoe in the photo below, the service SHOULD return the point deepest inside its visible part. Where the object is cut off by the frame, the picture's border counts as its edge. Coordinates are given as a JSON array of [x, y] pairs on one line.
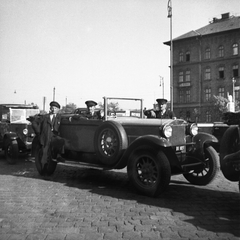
[[60, 159]]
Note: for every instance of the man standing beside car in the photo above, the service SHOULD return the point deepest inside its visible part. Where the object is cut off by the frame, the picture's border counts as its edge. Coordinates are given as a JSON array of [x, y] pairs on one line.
[[162, 112], [46, 128]]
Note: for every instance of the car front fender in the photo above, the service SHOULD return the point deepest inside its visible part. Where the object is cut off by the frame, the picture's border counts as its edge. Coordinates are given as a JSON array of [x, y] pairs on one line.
[[147, 141]]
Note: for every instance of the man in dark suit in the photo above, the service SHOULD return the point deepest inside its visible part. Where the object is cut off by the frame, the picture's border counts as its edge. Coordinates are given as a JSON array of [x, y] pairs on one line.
[[162, 112], [91, 113], [46, 128]]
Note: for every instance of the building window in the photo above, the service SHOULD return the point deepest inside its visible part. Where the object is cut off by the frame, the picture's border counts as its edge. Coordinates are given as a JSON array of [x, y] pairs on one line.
[[207, 75], [181, 96], [180, 77], [188, 76], [235, 49], [235, 70], [187, 56], [188, 96], [221, 72], [208, 94], [184, 96], [180, 57], [207, 53], [208, 116], [221, 92], [221, 51]]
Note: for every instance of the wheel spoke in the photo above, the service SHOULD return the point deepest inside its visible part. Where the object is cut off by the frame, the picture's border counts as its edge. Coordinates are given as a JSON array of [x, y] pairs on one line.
[[147, 171], [108, 143]]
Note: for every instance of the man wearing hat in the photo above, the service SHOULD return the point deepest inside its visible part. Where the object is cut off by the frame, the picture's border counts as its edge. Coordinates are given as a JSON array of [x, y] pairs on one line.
[[91, 113], [162, 113], [47, 129]]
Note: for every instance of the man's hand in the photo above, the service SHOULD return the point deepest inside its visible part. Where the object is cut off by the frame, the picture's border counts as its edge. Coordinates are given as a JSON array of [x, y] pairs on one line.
[[153, 114]]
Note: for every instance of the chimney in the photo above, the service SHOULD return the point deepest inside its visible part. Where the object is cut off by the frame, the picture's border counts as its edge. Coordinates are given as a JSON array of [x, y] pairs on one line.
[[225, 15]]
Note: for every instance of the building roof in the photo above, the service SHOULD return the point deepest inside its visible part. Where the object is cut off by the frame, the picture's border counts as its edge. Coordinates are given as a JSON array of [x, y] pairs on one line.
[[15, 105], [226, 23]]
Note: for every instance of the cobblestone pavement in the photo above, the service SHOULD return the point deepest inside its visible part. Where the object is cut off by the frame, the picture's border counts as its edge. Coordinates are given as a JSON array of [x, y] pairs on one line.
[[91, 204]]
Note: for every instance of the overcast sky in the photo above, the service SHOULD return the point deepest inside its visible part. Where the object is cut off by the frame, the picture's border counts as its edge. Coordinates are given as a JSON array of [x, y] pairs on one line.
[[88, 49]]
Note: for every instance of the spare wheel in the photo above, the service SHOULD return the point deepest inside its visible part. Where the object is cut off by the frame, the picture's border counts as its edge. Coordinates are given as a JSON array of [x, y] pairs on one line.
[[109, 142]]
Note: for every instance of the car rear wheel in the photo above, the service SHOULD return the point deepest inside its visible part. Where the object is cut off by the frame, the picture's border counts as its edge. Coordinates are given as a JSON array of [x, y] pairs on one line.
[[110, 141], [48, 168], [149, 172], [11, 151], [207, 173]]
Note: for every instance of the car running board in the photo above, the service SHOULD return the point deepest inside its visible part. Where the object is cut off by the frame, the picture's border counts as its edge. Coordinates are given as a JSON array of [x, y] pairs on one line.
[[84, 165]]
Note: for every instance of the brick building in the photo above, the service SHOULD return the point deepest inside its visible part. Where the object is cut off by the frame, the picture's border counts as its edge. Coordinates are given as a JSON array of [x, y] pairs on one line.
[[206, 63]]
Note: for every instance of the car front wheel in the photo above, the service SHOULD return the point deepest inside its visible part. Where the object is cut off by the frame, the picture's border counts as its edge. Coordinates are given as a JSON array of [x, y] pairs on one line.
[[11, 151], [207, 173], [149, 172]]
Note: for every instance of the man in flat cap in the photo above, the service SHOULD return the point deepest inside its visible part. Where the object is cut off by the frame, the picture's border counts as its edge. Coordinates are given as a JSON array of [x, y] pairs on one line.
[[91, 112], [162, 112], [46, 128]]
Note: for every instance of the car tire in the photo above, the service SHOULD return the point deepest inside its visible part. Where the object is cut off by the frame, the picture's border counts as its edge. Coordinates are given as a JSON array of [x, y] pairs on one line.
[[230, 144], [11, 151], [149, 172], [239, 185], [110, 141], [48, 168], [209, 171]]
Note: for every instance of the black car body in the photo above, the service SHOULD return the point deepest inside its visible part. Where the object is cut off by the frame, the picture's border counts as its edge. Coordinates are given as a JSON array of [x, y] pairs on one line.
[[151, 149], [230, 148], [216, 129], [16, 133]]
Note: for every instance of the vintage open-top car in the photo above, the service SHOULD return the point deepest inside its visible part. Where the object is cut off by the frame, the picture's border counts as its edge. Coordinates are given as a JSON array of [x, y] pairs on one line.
[[16, 133], [151, 149]]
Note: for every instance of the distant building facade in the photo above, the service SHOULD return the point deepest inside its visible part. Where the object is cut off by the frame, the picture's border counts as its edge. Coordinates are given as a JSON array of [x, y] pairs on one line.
[[205, 63]]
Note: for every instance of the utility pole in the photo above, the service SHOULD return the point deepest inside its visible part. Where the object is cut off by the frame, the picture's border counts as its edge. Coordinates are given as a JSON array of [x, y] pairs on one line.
[[44, 103], [54, 94], [171, 53]]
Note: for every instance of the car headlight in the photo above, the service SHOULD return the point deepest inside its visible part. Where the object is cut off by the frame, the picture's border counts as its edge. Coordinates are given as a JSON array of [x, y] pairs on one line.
[[25, 131], [193, 130], [167, 131], [32, 135]]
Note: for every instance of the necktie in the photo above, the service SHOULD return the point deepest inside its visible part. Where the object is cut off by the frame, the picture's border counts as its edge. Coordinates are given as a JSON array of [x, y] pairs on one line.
[[53, 119]]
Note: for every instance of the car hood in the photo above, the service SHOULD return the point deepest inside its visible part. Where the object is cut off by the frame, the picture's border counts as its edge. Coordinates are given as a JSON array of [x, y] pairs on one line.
[[148, 121]]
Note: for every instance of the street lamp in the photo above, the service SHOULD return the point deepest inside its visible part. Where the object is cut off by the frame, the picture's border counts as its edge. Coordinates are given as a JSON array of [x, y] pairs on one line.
[[162, 85]]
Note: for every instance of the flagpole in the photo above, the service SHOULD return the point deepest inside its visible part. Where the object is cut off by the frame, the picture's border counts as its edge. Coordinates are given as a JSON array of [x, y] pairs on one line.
[[171, 53]]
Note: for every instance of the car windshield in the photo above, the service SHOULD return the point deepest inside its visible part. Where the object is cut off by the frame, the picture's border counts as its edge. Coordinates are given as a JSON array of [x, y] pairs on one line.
[[123, 107], [20, 115]]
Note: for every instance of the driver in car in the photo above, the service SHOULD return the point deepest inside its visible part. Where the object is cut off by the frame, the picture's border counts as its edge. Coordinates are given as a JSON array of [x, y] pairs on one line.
[[162, 112], [91, 112]]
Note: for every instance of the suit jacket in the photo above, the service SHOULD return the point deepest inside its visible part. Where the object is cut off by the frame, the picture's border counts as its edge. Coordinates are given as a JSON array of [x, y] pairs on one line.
[[167, 115], [45, 128]]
